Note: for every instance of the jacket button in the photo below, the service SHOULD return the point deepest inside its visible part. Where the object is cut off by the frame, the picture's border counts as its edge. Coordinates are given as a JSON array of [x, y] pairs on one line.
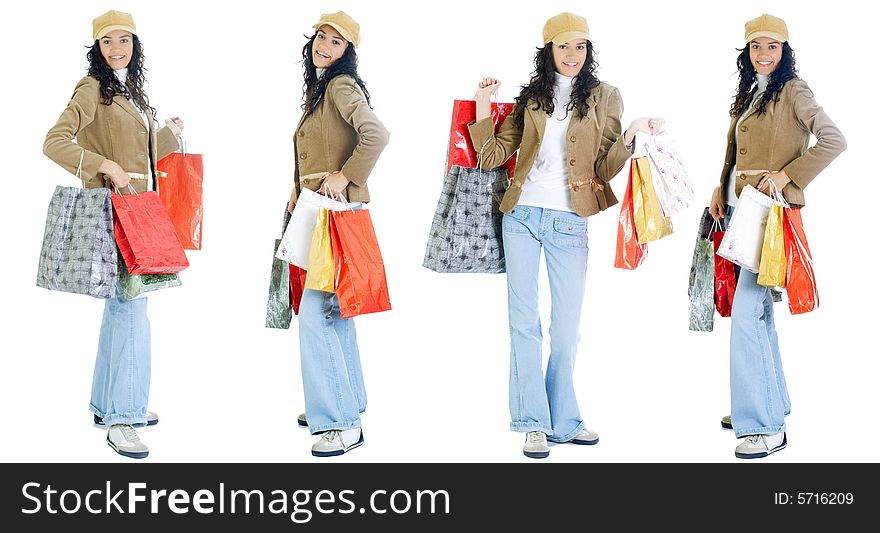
[[302, 156], [572, 138], [744, 128], [301, 133], [571, 162], [575, 188], [742, 151]]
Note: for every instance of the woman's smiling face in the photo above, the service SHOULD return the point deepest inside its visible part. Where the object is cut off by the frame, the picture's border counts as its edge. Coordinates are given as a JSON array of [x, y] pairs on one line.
[[328, 47]]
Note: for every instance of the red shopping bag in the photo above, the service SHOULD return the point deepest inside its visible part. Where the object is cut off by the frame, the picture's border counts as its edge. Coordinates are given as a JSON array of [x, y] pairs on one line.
[[630, 253], [181, 193], [145, 235], [359, 271], [725, 279], [461, 151], [800, 279], [297, 284]]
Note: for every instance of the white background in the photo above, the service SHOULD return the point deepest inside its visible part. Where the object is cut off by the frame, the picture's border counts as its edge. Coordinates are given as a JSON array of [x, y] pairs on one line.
[[436, 367]]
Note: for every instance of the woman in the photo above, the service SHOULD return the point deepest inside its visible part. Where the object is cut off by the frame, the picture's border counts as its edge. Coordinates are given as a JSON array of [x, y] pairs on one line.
[[110, 130], [772, 116], [339, 138], [566, 125]]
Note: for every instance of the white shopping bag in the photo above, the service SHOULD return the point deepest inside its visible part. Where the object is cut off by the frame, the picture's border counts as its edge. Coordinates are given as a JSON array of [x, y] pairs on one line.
[[744, 237], [297, 239], [671, 182]]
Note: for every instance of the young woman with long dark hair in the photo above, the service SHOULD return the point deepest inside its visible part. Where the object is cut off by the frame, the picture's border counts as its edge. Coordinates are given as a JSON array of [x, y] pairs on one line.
[[772, 117], [109, 130], [566, 125], [340, 138]]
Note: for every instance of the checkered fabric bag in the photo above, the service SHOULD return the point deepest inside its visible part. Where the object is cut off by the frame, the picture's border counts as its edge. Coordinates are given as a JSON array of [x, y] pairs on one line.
[[79, 253], [465, 235]]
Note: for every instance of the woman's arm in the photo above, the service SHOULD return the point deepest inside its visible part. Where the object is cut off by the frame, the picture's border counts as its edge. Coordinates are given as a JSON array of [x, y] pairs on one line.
[[492, 149], [372, 135], [829, 139], [59, 145]]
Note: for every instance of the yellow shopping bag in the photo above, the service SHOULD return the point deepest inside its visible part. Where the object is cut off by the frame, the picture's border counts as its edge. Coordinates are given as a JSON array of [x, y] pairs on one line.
[[319, 276], [651, 223], [771, 271]]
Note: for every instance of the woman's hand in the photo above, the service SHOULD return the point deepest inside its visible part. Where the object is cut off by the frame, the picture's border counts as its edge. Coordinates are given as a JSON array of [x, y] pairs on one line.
[[334, 184], [118, 177], [779, 178], [716, 205], [487, 88], [175, 124], [650, 125]]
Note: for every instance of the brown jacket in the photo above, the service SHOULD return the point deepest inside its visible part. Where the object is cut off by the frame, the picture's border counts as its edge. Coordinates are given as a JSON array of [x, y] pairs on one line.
[[343, 134], [116, 132], [596, 150], [780, 140]]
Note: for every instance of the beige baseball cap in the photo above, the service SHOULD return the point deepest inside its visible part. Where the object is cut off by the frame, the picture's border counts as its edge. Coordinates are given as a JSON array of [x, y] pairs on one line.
[[565, 27], [110, 21], [344, 24], [766, 26]]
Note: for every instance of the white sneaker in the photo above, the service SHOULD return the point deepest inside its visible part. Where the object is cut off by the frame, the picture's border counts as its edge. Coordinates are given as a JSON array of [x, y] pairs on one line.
[[536, 445], [585, 436], [125, 440], [757, 446], [337, 442]]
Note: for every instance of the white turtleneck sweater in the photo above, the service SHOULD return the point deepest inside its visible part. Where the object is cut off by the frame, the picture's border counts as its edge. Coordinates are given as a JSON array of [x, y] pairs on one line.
[[546, 183], [731, 180], [122, 76]]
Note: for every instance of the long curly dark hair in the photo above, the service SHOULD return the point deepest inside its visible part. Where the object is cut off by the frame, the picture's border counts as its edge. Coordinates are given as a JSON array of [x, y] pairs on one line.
[[786, 70], [540, 87], [134, 83], [315, 87]]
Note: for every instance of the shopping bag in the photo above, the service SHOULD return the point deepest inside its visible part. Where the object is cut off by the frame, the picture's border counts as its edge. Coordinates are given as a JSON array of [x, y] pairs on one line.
[[671, 182], [297, 237], [772, 265], [279, 301], [460, 150], [319, 275], [725, 276], [180, 188], [465, 234], [145, 235], [78, 253], [297, 285], [803, 295], [139, 285], [361, 286], [651, 223], [744, 237], [701, 285], [630, 252]]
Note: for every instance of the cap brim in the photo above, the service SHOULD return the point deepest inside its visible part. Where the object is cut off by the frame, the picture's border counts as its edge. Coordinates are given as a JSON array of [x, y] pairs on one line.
[[772, 34], [568, 36], [342, 31], [108, 29]]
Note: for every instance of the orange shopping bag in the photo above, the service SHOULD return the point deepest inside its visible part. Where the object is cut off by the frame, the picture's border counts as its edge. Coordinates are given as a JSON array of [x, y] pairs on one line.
[[180, 188]]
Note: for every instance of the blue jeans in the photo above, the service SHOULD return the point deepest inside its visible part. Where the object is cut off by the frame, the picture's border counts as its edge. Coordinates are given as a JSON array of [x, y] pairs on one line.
[[758, 395], [333, 381], [121, 382], [538, 402]]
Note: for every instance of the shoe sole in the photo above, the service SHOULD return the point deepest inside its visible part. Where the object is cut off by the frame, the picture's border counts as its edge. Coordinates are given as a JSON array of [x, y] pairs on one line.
[[763, 454], [585, 442], [130, 455], [302, 423], [536, 455], [100, 423], [357, 444], [725, 425]]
